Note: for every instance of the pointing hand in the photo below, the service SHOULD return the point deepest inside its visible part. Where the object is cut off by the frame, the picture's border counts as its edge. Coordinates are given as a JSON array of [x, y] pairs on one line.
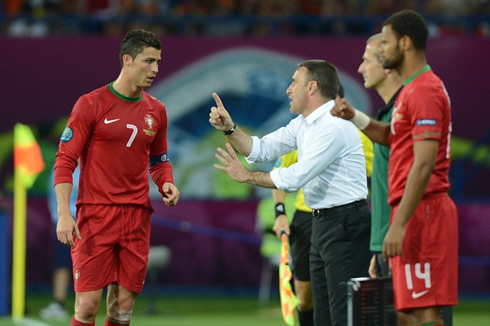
[[219, 117]]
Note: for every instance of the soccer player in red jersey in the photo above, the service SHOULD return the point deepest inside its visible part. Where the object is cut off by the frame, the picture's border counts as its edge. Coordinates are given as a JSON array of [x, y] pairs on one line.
[[422, 241], [119, 132]]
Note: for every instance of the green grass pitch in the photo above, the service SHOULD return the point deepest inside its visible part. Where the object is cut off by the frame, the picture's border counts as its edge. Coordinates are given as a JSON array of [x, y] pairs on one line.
[[215, 310]]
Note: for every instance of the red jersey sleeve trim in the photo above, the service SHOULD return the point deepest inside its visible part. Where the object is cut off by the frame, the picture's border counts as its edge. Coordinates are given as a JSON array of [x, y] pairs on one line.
[[63, 175], [427, 135]]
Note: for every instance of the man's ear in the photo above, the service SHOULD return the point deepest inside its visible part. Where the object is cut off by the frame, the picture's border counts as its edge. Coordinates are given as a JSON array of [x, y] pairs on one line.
[[127, 60], [405, 43], [312, 86]]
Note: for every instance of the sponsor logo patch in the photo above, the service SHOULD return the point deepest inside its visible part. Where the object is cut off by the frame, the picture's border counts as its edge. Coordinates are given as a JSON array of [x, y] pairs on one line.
[[426, 122], [67, 135]]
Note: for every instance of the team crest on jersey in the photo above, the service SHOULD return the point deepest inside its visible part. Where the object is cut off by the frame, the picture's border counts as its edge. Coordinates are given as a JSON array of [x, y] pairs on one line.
[[149, 120]]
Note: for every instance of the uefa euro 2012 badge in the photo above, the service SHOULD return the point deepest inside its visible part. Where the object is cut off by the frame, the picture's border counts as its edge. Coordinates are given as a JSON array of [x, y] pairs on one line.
[[67, 135]]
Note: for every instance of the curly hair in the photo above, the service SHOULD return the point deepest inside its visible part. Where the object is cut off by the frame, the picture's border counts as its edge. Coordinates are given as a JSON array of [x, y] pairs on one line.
[[409, 23]]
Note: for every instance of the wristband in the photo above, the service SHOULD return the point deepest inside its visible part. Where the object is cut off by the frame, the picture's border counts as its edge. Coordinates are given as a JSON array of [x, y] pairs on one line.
[[360, 119], [229, 132], [280, 209]]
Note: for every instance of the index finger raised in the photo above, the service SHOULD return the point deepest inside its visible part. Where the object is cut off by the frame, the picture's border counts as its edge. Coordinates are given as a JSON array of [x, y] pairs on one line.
[[217, 99]]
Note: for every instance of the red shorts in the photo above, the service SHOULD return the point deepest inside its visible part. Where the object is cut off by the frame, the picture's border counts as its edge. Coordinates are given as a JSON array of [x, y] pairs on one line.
[[427, 273], [114, 247]]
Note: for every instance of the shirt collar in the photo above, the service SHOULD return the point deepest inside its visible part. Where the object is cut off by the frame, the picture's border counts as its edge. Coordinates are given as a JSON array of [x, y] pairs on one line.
[[390, 104], [421, 71], [320, 111]]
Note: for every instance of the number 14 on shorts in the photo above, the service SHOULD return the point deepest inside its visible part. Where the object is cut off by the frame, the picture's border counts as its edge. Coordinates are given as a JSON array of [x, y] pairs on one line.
[[416, 272]]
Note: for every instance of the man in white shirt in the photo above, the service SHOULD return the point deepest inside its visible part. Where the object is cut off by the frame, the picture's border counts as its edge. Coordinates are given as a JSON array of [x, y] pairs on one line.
[[330, 169]]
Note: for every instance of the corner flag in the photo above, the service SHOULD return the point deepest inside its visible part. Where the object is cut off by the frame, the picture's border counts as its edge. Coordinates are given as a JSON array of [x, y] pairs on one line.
[[28, 160], [28, 163], [288, 299]]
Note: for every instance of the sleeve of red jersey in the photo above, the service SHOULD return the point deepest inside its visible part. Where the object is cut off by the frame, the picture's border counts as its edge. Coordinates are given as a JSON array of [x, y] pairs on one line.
[[161, 172], [429, 107], [74, 138]]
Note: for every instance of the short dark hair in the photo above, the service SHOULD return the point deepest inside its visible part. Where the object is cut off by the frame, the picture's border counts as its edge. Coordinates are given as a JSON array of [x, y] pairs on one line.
[[325, 74], [410, 23], [136, 41]]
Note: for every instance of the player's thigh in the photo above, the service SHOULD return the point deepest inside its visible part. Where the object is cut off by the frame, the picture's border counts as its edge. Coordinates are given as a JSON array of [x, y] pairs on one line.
[[135, 248], [95, 254], [426, 274]]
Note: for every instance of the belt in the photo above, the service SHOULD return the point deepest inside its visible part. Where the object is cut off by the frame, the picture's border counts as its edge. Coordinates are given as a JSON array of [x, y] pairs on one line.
[[324, 211]]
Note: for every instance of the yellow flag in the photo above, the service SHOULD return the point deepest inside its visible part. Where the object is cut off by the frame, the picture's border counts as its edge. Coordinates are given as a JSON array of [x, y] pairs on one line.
[[28, 160], [288, 299]]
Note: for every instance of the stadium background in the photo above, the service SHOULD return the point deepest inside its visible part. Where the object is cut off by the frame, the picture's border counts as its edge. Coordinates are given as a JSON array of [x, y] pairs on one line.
[[248, 59]]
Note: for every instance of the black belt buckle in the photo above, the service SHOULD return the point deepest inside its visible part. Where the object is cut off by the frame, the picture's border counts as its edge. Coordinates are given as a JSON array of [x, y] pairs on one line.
[[316, 212]]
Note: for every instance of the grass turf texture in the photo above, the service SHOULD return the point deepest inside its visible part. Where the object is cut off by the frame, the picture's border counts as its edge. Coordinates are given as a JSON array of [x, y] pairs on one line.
[[218, 311]]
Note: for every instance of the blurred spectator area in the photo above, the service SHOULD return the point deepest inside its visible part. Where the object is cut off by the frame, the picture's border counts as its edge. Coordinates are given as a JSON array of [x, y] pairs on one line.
[[40, 18]]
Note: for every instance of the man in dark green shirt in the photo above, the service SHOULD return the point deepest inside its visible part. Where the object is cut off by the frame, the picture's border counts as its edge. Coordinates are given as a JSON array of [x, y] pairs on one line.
[[387, 83]]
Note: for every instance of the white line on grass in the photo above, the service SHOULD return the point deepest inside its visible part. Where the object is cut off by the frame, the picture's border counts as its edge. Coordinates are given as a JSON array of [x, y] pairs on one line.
[[28, 322]]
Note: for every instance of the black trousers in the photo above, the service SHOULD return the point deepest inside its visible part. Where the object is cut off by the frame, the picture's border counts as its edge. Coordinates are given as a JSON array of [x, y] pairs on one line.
[[339, 251]]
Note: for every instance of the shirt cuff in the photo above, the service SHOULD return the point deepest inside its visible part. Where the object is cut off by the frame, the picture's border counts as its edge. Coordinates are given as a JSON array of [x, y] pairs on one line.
[[276, 179], [252, 158]]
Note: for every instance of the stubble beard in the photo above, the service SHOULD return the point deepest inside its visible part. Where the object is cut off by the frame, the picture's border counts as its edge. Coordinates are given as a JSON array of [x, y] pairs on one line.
[[395, 62]]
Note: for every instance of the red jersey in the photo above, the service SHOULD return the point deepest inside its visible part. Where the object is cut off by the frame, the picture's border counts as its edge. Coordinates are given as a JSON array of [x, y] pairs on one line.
[[115, 138], [422, 111]]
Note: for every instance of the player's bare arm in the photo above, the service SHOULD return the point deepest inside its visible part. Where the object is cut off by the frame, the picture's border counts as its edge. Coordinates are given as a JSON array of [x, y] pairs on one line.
[[425, 154], [235, 169], [377, 131], [281, 222], [66, 225], [221, 120]]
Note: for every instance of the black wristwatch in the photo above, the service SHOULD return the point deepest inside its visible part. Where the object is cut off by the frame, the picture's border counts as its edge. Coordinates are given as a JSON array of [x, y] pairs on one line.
[[229, 132]]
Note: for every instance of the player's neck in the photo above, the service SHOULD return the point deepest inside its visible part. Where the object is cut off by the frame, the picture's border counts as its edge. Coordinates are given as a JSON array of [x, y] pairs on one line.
[[126, 88], [412, 65], [389, 88]]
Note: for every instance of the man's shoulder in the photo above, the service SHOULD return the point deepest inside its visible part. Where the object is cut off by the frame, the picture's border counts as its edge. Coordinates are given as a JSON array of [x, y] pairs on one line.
[[153, 101], [330, 119], [96, 93], [100, 90], [427, 86]]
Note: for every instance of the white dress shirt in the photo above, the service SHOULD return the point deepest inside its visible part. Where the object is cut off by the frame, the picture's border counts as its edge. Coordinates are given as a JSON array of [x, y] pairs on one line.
[[331, 166]]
